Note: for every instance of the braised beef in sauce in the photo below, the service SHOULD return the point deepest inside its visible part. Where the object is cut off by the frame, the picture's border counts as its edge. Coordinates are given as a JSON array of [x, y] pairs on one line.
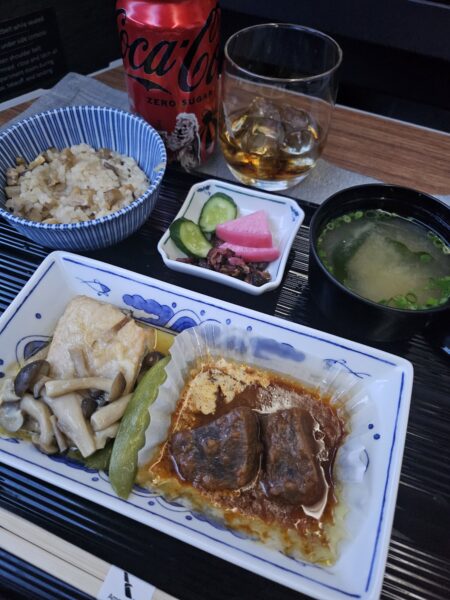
[[223, 455], [291, 470], [267, 453]]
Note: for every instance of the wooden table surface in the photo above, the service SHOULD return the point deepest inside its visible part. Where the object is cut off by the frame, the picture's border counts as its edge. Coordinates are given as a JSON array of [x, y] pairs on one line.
[[378, 147]]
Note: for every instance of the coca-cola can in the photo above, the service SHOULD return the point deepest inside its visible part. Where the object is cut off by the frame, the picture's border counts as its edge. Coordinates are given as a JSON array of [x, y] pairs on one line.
[[170, 52]]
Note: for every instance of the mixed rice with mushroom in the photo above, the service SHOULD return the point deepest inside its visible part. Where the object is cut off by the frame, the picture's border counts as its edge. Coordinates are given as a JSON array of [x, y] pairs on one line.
[[74, 184]]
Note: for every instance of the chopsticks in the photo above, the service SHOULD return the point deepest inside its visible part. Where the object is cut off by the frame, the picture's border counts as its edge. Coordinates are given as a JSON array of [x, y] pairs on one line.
[[55, 556]]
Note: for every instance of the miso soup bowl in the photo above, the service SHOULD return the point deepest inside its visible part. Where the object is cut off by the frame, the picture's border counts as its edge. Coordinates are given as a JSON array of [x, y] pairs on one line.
[[349, 313]]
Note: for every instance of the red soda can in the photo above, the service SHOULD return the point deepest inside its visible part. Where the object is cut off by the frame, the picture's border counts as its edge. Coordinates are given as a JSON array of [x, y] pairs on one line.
[[170, 51]]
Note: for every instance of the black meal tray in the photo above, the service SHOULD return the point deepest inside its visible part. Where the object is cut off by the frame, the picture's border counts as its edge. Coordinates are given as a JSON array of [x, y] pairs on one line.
[[419, 553]]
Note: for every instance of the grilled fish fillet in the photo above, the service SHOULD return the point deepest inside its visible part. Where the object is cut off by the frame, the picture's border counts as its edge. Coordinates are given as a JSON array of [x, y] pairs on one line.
[[109, 343]]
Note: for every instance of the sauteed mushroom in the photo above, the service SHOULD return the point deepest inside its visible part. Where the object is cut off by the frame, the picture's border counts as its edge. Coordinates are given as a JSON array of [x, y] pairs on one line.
[[88, 406], [109, 414], [114, 387], [28, 375], [101, 437], [7, 393], [37, 387], [67, 410], [151, 359], [59, 436], [30, 425], [84, 372], [109, 334], [45, 439], [11, 416]]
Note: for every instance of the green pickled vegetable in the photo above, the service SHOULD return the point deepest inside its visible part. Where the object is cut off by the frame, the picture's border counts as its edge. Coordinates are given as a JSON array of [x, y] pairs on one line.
[[189, 238], [218, 209], [131, 435], [100, 459]]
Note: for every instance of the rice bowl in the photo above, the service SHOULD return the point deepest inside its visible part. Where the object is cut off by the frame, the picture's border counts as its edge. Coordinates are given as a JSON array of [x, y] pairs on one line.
[[101, 127]]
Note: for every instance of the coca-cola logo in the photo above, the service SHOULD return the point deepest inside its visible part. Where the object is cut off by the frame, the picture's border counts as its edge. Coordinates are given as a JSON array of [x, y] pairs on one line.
[[195, 64]]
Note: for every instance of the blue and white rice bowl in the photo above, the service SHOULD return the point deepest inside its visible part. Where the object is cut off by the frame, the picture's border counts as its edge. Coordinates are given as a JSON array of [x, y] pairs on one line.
[[100, 127]]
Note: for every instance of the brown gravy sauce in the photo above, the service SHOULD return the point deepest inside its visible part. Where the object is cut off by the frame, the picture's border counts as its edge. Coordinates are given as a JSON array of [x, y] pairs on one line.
[[252, 502]]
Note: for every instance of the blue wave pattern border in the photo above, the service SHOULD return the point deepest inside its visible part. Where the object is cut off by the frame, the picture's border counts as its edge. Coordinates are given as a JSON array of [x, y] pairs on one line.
[[101, 127], [161, 315]]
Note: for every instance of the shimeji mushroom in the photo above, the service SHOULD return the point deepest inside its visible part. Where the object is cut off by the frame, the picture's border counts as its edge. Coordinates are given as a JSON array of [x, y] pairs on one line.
[[11, 416], [45, 439], [7, 393], [101, 437], [113, 387], [39, 384], [28, 375], [67, 410], [151, 359], [59, 436], [88, 406], [109, 414]]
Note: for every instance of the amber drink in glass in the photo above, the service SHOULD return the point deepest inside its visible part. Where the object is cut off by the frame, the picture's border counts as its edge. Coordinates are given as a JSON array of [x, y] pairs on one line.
[[278, 92]]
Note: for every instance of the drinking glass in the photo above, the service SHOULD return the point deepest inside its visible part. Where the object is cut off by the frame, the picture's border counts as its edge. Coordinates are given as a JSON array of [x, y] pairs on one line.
[[279, 87]]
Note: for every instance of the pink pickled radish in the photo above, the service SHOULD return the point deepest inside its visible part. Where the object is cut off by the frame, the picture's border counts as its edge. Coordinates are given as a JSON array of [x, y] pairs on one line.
[[252, 254], [251, 230]]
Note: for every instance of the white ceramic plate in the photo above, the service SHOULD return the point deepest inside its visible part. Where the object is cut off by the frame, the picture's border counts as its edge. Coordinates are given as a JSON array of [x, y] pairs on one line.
[[285, 217], [386, 379]]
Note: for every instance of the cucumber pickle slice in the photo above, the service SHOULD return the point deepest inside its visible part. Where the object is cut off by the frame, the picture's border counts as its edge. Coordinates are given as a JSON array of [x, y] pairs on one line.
[[189, 238], [217, 209]]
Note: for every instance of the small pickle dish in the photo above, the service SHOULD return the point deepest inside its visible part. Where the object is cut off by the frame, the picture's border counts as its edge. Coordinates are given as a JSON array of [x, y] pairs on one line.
[[260, 226]]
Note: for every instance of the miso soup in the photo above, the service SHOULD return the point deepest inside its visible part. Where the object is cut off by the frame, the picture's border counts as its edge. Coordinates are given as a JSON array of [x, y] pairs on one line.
[[387, 258]]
